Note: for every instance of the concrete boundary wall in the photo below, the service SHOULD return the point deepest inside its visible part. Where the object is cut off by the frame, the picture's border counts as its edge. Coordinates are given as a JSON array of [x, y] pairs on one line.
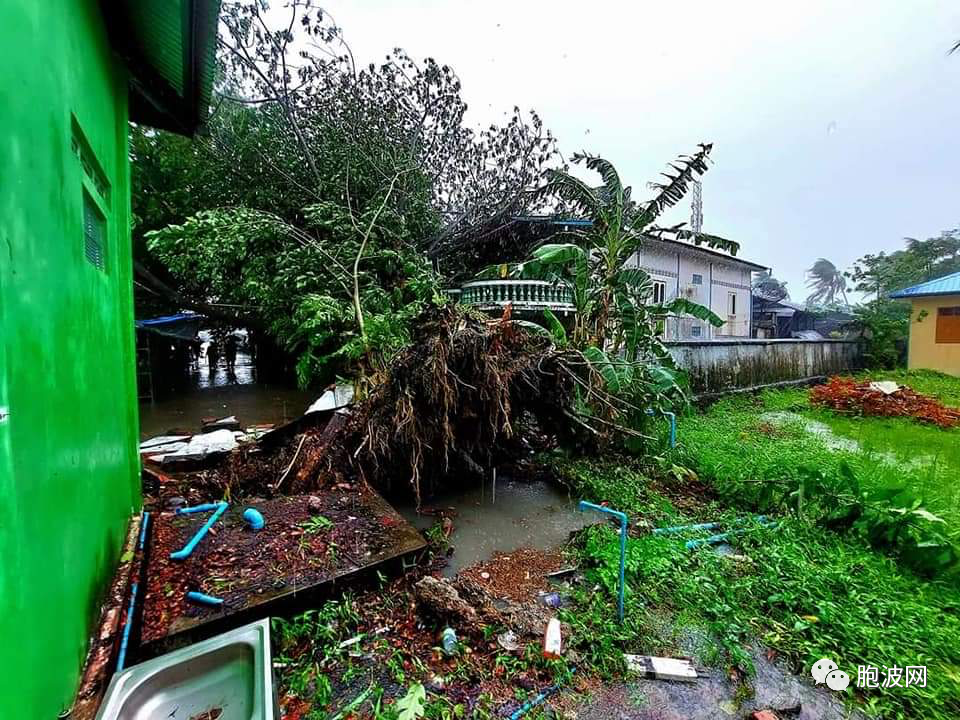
[[718, 366]]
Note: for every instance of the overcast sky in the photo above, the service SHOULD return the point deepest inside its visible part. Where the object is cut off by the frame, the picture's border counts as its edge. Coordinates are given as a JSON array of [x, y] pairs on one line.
[[835, 123]]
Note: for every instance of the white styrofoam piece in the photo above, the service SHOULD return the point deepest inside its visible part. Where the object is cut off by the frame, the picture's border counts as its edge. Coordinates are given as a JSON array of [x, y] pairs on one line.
[[340, 396], [163, 440]]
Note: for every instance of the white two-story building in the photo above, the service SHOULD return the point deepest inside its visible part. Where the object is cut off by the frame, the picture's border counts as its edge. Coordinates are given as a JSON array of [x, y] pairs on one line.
[[678, 268], [702, 275]]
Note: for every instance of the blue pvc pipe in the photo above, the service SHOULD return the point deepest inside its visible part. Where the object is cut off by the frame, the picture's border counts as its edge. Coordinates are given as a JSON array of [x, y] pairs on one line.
[[584, 505], [122, 655], [206, 507], [254, 518], [125, 639], [673, 424], [188, 548], [204, 599], [531, 704], [143, 529], [701, 526], [714, 539], [685, 528]]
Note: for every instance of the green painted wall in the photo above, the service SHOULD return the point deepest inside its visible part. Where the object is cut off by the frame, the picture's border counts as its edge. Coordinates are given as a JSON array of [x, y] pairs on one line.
[[68, 461]]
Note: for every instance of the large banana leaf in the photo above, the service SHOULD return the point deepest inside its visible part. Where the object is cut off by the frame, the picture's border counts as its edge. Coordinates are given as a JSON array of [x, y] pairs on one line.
[[556, 328], [665, 379], [559, 254], [682, 306], [616, 376]]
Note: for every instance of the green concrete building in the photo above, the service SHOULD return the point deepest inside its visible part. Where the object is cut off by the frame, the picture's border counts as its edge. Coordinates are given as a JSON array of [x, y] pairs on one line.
[[73, 73]]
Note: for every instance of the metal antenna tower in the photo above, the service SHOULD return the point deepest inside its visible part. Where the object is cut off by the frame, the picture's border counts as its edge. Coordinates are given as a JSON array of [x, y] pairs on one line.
[[696, 207]]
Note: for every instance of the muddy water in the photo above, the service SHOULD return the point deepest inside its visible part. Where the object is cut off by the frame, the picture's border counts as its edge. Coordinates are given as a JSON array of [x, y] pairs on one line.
[[219, 394], [525, 514]]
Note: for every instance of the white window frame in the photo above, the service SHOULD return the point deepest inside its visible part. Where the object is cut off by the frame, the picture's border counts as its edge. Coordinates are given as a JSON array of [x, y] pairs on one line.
[[697, 279], [732, 304], [659, 295]]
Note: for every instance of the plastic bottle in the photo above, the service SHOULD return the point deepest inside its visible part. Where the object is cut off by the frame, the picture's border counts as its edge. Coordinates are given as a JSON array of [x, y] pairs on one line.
[[552, 642], [448, 638]]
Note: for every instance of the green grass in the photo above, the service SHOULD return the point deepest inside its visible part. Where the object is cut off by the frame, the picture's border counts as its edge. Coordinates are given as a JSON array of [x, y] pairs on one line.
[[735, 445], [807, 593]]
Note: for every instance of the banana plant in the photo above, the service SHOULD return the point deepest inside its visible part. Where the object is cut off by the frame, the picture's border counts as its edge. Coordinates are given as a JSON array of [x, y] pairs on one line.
[[614, 312]]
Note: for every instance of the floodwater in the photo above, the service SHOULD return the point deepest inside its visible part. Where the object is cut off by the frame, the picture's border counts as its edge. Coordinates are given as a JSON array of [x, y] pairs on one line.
[[525, 514], [220, 394]]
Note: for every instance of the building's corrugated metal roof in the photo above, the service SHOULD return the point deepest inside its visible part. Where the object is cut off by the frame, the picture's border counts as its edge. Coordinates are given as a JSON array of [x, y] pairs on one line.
[[946, 285], [169, 47]]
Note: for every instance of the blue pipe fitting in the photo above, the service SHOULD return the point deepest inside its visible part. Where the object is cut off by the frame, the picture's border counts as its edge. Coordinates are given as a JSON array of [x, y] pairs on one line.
[[199, 597], [254, 519], [622, 517], [220, 507]]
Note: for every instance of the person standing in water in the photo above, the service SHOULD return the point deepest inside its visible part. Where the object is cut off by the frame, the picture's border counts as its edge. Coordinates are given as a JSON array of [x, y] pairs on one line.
[[213, 356], [230, 352]]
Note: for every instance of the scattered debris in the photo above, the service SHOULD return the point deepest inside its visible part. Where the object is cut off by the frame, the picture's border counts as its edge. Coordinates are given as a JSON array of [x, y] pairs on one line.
[[552, 639], [333, 399], [846, 395], [448, 641], [887, 387], [438, 597], [214, 424], [294, 552], [520, 575], [508, 641], [661, 668]]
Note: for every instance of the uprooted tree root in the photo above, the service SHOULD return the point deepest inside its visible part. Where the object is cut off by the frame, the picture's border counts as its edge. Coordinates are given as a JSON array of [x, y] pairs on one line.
[[452, 404]]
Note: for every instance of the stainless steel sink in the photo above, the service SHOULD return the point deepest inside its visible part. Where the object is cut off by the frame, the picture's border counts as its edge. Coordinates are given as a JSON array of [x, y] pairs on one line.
[[228, 677]]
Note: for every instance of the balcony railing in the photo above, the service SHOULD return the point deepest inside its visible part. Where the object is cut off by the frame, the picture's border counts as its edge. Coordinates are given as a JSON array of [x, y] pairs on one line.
[[521, 294]]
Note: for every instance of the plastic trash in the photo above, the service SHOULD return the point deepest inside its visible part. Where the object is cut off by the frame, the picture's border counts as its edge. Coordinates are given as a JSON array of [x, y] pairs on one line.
[[448, 639], [552, 641], [553, 599]]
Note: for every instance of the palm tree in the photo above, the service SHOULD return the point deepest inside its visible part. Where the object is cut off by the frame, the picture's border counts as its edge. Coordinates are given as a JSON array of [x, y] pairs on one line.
[[827, 283]]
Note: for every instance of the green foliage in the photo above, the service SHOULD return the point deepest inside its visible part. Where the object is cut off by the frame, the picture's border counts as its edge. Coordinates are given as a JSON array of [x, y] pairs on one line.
[[317, 181], [774, 463], [885, 326], [299, 280], [411, 705], [919, 261], [612, 299], [806, 592]]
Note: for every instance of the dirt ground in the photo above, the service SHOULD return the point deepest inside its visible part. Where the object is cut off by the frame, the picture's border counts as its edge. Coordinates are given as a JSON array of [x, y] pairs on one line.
[[307, 540]]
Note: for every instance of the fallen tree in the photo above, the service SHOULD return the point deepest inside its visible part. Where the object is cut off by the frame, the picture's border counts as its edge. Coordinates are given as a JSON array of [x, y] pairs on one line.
[[457, 401]]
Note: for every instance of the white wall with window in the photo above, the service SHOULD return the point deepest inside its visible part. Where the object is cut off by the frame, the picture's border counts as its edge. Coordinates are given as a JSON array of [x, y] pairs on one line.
[[710, 278]]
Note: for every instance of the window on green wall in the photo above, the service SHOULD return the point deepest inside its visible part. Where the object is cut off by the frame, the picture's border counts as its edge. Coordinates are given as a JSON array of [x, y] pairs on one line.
[[94, 232], [95, 193]]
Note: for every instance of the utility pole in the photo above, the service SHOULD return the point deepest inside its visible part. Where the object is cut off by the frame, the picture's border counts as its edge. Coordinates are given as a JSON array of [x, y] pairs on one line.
[[696, 207]]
